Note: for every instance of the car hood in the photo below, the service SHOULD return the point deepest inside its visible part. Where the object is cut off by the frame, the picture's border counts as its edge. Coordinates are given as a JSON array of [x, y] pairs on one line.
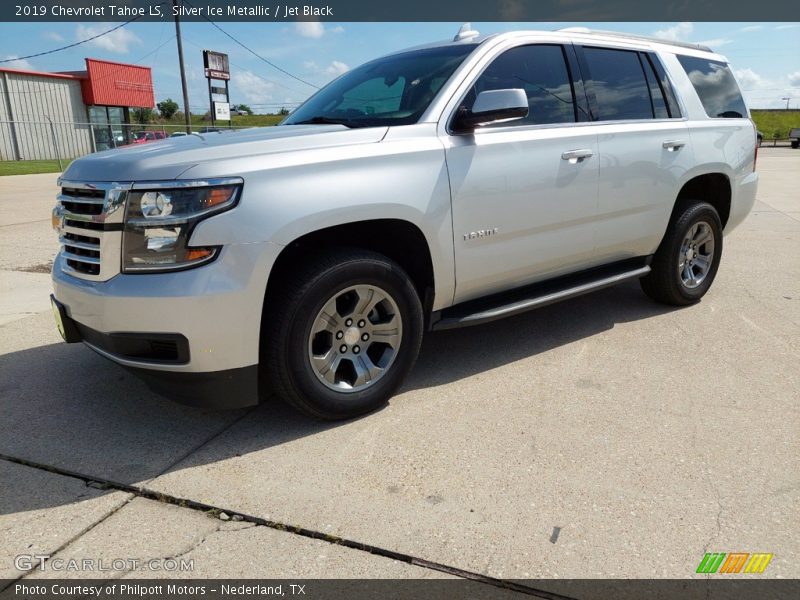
[[167, 159]]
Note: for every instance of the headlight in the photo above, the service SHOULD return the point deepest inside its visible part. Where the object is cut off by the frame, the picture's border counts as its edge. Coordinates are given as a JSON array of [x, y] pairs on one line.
[[159, 222]]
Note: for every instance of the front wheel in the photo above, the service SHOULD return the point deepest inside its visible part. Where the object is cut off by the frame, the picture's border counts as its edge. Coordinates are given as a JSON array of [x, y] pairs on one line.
[[343, 335], [686, 262]]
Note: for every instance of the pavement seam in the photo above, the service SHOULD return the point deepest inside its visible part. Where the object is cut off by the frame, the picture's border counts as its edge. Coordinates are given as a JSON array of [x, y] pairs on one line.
[[215, 512], [104, 486], [78, 535]]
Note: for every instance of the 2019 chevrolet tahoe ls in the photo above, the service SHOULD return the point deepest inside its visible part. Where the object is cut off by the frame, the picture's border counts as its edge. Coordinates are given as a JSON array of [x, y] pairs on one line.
[[437, 187]]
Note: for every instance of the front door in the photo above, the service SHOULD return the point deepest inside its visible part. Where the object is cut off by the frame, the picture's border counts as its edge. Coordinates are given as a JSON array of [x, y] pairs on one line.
[[524, 193]]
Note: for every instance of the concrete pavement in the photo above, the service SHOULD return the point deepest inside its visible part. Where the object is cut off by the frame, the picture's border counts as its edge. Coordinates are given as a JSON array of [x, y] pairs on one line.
[[607, 436]]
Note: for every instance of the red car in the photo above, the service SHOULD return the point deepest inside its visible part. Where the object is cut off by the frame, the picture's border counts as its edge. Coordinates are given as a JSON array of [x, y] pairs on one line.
[[144, 137]]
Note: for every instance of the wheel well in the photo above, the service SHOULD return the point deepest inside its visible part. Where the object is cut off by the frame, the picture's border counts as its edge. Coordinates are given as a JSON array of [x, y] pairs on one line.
[[399, 240], [714, 188]]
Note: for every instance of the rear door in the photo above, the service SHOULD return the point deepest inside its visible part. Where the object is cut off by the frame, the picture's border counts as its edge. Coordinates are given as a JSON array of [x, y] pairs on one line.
[[644, 148]]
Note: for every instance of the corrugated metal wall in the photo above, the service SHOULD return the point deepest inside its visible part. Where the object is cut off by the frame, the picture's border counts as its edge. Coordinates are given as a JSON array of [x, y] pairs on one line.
[[33, 100], [118, 84]]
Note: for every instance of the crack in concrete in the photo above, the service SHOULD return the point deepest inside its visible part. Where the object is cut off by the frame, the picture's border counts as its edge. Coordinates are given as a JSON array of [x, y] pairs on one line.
[[75, 537], [214, 512], [100, 484]]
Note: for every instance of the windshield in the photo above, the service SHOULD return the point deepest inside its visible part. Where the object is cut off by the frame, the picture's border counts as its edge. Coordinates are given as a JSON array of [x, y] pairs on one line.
[[394, 90]]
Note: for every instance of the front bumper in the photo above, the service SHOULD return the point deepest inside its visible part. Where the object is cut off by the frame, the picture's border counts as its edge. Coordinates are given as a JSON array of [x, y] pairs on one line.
[[192, 335]]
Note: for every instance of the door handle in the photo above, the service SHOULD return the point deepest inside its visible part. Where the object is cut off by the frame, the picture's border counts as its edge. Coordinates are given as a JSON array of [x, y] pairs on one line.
[[673, 145], [576, 156]]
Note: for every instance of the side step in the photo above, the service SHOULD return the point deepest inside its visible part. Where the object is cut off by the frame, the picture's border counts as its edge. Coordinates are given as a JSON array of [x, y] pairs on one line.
[[513, 302]]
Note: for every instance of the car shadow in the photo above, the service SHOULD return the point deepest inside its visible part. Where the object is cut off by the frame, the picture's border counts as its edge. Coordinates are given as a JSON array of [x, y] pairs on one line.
[[64, 406]]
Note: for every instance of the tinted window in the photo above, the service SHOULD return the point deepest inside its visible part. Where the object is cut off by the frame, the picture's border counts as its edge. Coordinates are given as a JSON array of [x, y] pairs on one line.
[[715, 86], [619, 84], [383, 97], [657, 96], [666, 86], [394, 90], [539, 70]]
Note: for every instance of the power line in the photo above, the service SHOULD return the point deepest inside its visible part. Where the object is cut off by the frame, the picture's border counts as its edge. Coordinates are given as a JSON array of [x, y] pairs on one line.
[[264, 79], [94, 37], [254, 53], [109, 74]]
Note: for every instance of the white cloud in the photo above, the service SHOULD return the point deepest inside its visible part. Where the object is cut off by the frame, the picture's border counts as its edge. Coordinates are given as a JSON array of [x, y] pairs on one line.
[[310, 29], [337, 29], [337, 67], [252, 87], [751, 28], [311, 65], [16, 63], [53, 35], [676, 33], [118, 41], [794, 79], [749, 79], [789, 26], [715, 43]]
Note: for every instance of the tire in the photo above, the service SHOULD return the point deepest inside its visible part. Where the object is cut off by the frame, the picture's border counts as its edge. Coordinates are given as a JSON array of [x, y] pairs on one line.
[[671, 280], [307, 339]]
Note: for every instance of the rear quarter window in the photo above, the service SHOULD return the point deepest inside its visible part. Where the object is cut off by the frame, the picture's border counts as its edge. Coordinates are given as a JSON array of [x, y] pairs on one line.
[[715, 86]]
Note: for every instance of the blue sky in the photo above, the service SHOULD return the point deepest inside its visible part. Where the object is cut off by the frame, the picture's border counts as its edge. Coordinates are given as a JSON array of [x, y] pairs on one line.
[[765, 56]]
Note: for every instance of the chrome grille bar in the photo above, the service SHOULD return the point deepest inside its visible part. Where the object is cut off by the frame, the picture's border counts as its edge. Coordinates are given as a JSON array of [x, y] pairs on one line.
[[78, 244]]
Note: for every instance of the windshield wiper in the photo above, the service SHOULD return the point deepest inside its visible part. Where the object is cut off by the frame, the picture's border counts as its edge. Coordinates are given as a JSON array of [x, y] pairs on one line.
[[330, 121]]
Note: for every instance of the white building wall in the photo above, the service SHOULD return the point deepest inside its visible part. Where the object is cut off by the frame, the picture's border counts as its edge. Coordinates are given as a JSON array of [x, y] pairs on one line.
[[28, 104]]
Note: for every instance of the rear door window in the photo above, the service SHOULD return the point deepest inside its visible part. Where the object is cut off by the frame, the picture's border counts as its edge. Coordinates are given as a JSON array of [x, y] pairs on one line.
[[656, 94], [715, 86], [618, 81]]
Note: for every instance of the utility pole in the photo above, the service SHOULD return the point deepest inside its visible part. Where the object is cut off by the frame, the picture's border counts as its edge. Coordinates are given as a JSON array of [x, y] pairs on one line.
[[186, 112], [787, 101]]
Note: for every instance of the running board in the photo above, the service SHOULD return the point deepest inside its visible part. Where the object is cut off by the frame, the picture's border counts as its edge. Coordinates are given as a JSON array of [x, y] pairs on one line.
[[484, 310]]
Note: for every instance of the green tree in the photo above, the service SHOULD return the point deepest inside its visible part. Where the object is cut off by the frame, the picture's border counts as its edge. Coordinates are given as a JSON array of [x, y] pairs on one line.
[[142, 115], [167, 108], [283, 111]]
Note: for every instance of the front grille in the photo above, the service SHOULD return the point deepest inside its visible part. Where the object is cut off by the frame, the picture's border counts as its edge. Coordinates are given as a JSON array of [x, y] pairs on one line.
[[90, 221], [82, 253]]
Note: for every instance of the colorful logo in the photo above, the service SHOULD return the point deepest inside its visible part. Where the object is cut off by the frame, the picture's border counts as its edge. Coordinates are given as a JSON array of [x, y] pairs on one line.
[[734, 562]]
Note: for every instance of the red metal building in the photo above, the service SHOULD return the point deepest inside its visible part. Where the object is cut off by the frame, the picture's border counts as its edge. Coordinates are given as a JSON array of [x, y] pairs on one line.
[[117, 84]]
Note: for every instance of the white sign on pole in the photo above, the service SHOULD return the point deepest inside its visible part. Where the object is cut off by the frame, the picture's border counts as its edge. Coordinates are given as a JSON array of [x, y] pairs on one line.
[[222, 111]]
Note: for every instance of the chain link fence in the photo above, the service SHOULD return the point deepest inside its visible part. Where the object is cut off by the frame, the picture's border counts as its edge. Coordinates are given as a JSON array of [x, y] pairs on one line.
[[66, 140]]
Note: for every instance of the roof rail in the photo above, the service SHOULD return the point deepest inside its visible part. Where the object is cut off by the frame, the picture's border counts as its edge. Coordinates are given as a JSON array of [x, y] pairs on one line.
[[632, 36]]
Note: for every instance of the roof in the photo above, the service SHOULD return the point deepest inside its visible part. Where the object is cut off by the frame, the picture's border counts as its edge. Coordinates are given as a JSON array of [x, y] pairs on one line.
[[631, 36], [581, 33], [67, 75]]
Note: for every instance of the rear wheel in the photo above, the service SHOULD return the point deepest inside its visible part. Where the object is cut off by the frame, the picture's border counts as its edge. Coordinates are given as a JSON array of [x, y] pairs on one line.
[[686, 262], [343, 334]]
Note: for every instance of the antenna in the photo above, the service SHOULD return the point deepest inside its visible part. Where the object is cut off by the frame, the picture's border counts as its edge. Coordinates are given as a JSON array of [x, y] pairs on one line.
[[466, 32]]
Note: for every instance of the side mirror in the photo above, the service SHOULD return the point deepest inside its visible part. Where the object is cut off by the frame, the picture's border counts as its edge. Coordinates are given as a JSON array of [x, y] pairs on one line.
[[494, 106]]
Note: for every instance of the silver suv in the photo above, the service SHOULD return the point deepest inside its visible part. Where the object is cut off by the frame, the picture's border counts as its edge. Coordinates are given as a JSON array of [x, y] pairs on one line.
[[443, 186]]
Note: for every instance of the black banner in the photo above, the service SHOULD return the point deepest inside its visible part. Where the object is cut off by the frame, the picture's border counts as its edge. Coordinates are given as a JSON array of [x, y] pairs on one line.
[[713, 588], [405, 11]]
